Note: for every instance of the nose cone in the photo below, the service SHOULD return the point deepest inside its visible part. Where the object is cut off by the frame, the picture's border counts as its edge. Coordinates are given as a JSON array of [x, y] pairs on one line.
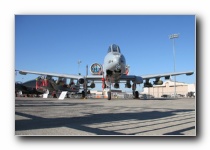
[[118, 59], [119, 63], [118, 67], [114, 62]]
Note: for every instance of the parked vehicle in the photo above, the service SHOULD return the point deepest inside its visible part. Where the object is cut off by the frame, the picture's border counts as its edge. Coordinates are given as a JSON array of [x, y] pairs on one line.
[[142, 96], [165, 96], [191, 94], [150, 96], [180, 95], [145, 96]]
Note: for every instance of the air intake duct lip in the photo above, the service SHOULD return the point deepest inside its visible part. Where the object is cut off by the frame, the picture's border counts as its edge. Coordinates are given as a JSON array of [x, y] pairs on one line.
[[81, 80]]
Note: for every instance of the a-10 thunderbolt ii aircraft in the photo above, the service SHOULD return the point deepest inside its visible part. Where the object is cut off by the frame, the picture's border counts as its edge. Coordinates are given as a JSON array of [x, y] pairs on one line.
[[113, 71], [47, 85]]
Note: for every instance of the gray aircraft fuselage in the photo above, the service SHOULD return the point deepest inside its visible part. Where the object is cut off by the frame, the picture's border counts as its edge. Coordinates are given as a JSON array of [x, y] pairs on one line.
[[114, 64]]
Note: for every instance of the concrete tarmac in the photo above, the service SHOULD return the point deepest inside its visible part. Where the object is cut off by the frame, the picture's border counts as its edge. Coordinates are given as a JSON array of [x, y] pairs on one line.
[[93, 117]]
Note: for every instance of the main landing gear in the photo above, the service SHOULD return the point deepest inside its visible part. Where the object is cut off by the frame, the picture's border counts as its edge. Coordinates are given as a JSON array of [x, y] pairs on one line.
[[109, 95], [135, 93]]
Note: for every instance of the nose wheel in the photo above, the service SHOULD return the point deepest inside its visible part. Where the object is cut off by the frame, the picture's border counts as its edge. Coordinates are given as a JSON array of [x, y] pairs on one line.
[[109, 97], [108, 85]]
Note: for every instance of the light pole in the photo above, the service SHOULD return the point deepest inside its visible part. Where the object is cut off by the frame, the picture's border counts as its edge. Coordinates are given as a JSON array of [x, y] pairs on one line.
[[173, 36], [79, 62]]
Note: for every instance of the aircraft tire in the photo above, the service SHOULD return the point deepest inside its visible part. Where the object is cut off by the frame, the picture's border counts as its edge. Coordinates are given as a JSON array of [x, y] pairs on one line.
[[54, 95], [83, 94], [136, 94], [109, 95]]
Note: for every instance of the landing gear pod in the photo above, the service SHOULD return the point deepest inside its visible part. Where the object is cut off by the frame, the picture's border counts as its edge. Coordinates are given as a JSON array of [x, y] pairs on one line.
[[92, 85]]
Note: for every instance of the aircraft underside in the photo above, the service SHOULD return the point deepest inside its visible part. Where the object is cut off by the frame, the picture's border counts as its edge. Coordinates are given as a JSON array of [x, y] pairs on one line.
[[115, 80]]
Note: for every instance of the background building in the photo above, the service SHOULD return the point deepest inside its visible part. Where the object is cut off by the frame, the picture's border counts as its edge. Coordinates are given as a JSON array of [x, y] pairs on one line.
[[167, 88]]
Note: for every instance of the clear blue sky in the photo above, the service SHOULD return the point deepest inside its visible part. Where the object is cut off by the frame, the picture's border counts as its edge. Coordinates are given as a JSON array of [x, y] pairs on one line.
[[51, 43]]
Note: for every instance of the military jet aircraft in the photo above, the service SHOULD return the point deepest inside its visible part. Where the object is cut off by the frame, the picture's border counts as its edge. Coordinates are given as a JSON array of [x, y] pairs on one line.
[[27, 88], [113, 71], [45, 84]]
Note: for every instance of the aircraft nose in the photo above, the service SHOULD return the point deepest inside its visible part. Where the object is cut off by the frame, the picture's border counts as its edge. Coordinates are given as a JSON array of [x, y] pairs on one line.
[[118, 59], [118, 67], [117, 63]]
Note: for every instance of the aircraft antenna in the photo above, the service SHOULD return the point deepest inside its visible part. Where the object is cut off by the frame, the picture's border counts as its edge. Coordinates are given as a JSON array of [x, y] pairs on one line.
[[79, 62]]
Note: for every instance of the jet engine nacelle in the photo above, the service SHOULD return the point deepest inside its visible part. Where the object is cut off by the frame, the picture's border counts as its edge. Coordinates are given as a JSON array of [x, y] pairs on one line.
[[81, 81], [159, 82]]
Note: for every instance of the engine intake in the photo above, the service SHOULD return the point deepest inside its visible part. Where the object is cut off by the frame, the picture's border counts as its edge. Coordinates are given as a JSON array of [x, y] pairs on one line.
[[81, 81]]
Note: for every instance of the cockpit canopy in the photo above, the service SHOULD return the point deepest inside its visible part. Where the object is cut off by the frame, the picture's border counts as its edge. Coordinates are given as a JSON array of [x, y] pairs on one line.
[[114, 48]]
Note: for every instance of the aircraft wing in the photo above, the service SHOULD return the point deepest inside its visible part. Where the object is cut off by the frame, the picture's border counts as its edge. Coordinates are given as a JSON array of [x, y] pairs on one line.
[[99, 77], [24, 72], [71, 76], [166, 75], [139, 79], [95, 77]]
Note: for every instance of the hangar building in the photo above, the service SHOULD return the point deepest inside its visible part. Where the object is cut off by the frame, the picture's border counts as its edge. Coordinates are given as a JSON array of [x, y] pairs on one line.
[[168, 88]]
